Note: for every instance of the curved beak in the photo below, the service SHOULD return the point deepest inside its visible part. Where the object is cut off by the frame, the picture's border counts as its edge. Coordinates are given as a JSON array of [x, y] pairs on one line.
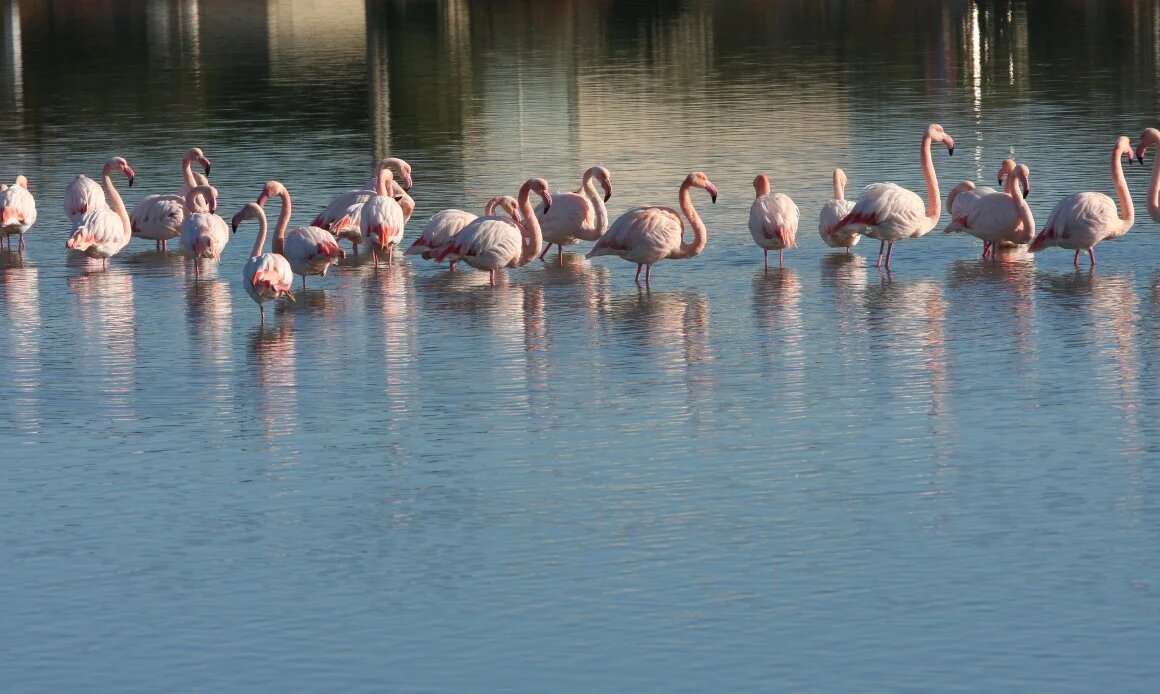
[[1000, 181], [234, 226], [1026, 192], [407, 181], [547, 200], [205, 164], [262, 199], [131, 175], [607, 189], [712, 192]]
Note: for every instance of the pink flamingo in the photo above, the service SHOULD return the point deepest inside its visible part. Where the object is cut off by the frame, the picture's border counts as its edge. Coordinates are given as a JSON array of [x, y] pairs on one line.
[[773, 220], [492, 243], [341, 216], [103, 232], [446, 224], [83, 195], [891, 212], [203, 233], [1081, 220], [265, 276], [382, 220], [833, 212], [1150, 137], [579, 216], [966, 193], [1000, 220], [159, 217], [17, 211], [310, 250], [648, 234]]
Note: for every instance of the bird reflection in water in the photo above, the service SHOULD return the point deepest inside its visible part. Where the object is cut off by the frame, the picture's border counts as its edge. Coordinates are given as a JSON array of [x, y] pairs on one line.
[[391, 302], [592, 284], [1008, 281], [105, 315], [273, 353], [844, 278], [20, 344], [1115, 311], [210, 324], [777, 296]]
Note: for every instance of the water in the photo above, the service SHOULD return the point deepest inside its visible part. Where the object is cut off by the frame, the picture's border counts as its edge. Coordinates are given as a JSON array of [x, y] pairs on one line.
[[817, 478]]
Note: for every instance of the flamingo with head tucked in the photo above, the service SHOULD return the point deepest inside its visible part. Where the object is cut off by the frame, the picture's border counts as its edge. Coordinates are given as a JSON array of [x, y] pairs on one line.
[[102, 233], [265, 276], [382, 219], [833, 212], [579, 216], [83, 195], [310, 250], [446, 224], [773, 220], [1150, 137], [1081, 220], [492, 243], [17, 211], [159, 217], [341, 216], [999, 219], [891, 212], [963, 195], [648, 234], [203, 233]]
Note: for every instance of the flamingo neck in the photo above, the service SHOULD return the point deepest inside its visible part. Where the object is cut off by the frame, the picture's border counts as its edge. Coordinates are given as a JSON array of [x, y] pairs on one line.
[[406, 202], [933, 205], [839, 190], [763, 186], [700, 237], [530, 229], [195, 198], [260, 242], [118, 204], [1027, 233], [1127, 212], [1154, 190], [588, 186], [283, 222], [187, 173]]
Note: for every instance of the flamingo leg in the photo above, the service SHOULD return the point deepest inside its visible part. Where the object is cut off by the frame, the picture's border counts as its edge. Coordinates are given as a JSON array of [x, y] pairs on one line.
[[638, 267], [491, 277], [262, 309], [647, 274], [560, 253], [21, 246], [304, 283], [1076, 261], [849, 250], [986, 249], [354, 247], [766, 258], [390, 254], [452, 266], [1092, 255], [889, 250], [375, 255], [781, 257], [547, 247], [881, 248]]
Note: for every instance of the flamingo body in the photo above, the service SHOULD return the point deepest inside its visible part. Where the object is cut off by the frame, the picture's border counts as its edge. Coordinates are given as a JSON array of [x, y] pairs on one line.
[[17, 211], [204, 235], [83, 195], [773, 221], [440, 229], [890, 212], [1079, 222], [158, 217], [311, 251], [486, 243], [98, 234], [995, 219], [832, 212], [381, 223], [267, 276]]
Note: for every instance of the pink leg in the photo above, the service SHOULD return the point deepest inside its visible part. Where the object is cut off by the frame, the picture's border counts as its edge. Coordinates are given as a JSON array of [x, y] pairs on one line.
[[781, 257], [262, 308], [647, 274], [304, 283], [452, 268], [1092, 255], [354, 247], [547, 247], [390, 254], [638, 267], [766, 258], [491, 277], [986, 249], [375, 255], [881, 248], [1076, 261], [889, 250], [560, 253], [20, 247]]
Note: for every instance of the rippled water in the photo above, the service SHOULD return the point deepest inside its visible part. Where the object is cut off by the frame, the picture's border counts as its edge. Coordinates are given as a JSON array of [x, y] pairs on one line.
[[822, 477]]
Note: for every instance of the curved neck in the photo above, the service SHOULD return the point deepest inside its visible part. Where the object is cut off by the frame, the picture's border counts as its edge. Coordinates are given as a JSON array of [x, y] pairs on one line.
[[406, 202], [1127, 213], [839, 190], [283, 222], [118, 205], [933, 205], [1023, 209], [530, 229], [187, 172], [260, 242], [1154, 190], [700, 237], [588, 186]]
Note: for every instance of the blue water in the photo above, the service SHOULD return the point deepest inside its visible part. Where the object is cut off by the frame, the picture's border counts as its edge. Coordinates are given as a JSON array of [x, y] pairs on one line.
[[821, 477]]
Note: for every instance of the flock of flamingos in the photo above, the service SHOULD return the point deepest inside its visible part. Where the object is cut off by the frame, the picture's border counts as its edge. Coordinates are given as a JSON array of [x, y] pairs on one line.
[[511, 231]]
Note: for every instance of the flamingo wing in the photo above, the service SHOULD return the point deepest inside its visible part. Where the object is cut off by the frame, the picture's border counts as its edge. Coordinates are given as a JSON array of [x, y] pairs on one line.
[[99, 233], [83, 195], [832, 213], [570, 217], [773, 219], [158, 217], [890, 211], [267, 276], [441, 228], [17, 209], [341, 206]]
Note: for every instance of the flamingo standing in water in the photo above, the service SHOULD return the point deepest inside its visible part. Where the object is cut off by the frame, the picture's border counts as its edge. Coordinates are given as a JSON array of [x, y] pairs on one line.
[[833, 212], [963, 195], [446, 224], [999, 220], [265, 276], [579, 216], [1151, 138], [492, 243], [17, 211], [159, 217], [103, 232], [203, 233], [891, 212], [83, 195], [773, 220], [342, 216], [310, 250], [1081, 220], [649, 234], [382, 220]]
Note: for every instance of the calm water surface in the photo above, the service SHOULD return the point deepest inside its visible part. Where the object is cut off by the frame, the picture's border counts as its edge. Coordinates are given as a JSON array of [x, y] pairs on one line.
[[817, 478]]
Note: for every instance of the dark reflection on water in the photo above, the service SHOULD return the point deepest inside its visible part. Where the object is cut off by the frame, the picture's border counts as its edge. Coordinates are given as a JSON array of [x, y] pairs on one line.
[[822, 476]]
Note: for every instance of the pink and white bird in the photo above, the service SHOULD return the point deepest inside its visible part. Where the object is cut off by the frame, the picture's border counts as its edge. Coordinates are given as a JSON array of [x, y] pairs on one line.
[[1081, 220], [17, 211], [203, 233], [103, 232], [492, 243], [649, 234], [579, 216], [382, 220], [265, 276], [891, 212], [773, 220], [1150, 137], [341, 216], [83, 195], [999, 219], [833, 212], [963, 195], [310, 250], [158, 218], [444, 225]]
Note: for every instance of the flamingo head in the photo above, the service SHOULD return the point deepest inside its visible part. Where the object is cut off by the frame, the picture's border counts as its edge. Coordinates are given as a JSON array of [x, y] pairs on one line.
[[1123, 146], [194, 154], [119, 164], [540, 187], [604, 176], [936, 134], [1024, 173], [1005, 169], [761, 184], [272, 189], [698, 179], [840, 179], [508, 204], [1148, 138], [251, 210], [21, 181], [400, 168]]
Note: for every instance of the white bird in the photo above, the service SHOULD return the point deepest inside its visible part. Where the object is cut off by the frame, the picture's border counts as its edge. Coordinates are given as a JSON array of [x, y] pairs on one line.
[[382, 220], [83, 195], [17, 211], [159, 217], [579, 216], [892, 212], [203, 233], [492, 243], [445, 224], [963, 195], [1081, 220], [833, 212], [999, 219], [341, 216], [265, 276], [1150, 137], [103, 232], [310, 250], [773, 220]]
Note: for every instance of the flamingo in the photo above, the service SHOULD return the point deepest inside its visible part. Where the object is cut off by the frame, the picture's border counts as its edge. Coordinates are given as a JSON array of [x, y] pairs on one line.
[[341, 216], [579, 216], [203, 233], [492, 243], [892, 212], [1000, 220], [833, 212], [310, 250], [159, 217], [1150, 137], [381, 220], [83, 195], [963, 195], [1081, 220], [773, 220], [265, 276], [648, 234], [17, 211], [445, 224], [103, 232]]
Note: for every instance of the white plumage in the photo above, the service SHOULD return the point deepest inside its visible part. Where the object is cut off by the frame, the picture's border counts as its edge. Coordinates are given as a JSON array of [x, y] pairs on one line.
[[773, 219], [17, 210], [83, 195], [98, 234], [579, 216]]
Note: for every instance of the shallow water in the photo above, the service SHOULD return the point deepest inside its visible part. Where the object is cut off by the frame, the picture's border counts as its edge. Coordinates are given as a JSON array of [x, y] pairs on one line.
[[820, 477]]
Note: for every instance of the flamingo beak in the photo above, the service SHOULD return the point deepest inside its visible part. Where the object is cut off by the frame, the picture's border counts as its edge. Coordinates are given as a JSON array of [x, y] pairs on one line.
[[607, 190], [205, 163], [234, 226], [547, 201], [1026, 192], [131, 175], [712, 192], [407, 181], [262, 199]]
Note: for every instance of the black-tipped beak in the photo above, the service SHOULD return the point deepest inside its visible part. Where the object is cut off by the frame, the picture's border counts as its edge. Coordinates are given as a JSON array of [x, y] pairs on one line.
[[547, 206], [131, 179], [207, 169], [606, 196], [1000, 181], [233, 227], [713, 196], [1026, 193], [951, 150]]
